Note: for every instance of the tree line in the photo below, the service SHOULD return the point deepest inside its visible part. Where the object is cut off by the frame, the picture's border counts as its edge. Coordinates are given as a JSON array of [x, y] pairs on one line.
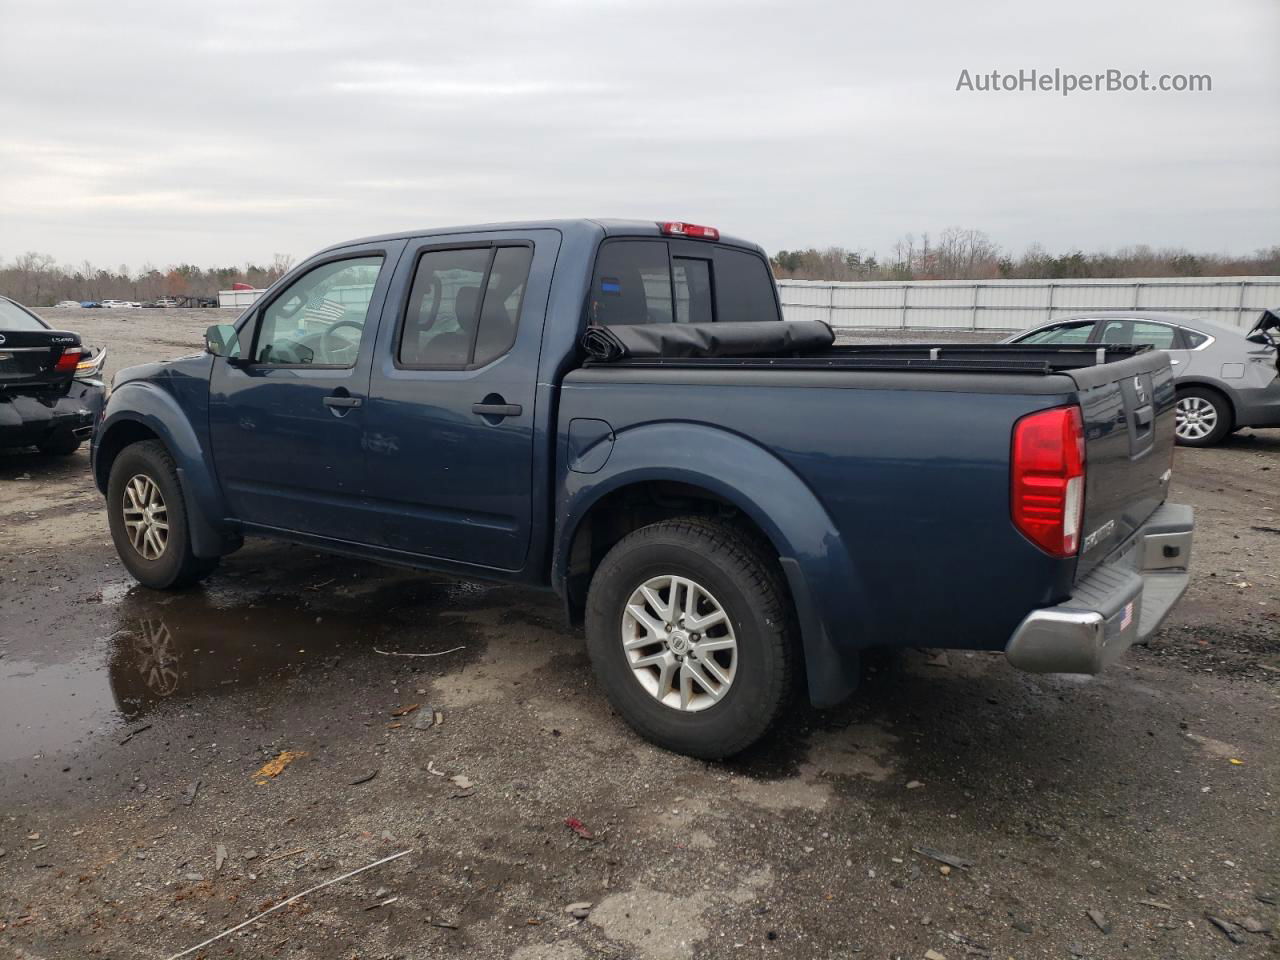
[[963, 254], [38, 280]]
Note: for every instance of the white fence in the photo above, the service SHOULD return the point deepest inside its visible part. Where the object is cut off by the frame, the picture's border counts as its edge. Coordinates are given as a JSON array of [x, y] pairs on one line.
[[1018, 304], [238, 299]]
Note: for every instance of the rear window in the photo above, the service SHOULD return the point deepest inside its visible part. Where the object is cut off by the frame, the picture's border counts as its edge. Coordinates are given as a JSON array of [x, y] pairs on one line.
[[641, 281], [14, 317]]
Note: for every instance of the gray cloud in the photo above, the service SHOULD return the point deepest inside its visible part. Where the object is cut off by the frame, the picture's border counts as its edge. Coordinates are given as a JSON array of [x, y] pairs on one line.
[[226, 131]]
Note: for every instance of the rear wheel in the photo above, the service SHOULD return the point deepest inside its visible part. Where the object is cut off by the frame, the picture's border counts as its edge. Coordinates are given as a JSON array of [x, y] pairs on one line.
[[690, 633], [1202, 417], [148, 519]]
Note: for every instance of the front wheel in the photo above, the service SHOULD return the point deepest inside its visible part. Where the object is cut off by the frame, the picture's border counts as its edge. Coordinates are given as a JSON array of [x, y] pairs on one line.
[[148, 519], [1202, 417], [690, 633]]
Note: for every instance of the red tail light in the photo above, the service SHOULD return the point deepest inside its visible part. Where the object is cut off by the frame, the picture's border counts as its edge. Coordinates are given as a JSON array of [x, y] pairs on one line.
[[674, 228], [1047, 495], [68, 361]]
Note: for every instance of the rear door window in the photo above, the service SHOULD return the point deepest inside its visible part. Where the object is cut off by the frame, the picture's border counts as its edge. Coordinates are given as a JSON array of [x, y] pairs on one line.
[[744, 286], [464, 306]]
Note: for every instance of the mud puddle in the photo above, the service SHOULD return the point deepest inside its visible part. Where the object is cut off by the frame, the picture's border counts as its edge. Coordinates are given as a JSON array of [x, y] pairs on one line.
[[143, 650]]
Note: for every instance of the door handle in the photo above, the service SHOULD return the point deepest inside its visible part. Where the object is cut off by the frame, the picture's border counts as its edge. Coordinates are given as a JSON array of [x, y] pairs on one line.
[[1174, 362], [347, 402], [497, 409]]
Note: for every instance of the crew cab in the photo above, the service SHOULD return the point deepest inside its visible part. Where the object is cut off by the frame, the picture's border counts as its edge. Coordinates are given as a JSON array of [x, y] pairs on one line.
[[720, 520]]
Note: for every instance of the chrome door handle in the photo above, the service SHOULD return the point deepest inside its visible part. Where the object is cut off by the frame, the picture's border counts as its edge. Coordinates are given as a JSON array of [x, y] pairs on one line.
[[342, 401]]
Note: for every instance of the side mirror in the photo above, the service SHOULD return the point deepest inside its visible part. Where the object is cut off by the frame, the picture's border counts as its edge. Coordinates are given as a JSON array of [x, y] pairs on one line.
[[1259, 336], [222, 340]]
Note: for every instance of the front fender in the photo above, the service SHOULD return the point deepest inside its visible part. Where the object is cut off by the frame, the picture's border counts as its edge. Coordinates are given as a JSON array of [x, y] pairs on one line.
[[825, 586], [143, 402]]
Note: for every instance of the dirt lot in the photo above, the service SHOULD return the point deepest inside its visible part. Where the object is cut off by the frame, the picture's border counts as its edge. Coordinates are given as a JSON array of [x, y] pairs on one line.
[[133, 724]]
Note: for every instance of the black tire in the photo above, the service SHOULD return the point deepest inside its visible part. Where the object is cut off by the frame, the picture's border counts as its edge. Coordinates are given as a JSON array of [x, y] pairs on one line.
[[59, 445], [1219, 410], [747, 584], [176, 566]]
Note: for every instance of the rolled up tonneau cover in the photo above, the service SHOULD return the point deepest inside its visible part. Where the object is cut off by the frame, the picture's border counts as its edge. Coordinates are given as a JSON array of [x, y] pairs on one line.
[[733, 339]]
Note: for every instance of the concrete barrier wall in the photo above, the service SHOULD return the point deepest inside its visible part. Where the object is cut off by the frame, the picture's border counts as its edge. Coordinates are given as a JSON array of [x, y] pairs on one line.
[[1018, 304]]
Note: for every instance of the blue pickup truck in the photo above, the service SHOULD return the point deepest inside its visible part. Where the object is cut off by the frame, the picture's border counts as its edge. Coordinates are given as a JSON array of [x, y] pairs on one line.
[[726, 527]]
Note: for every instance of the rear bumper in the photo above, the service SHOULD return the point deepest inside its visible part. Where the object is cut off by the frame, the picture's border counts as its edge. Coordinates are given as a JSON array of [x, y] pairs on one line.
[[27, 420], [1119, 603]]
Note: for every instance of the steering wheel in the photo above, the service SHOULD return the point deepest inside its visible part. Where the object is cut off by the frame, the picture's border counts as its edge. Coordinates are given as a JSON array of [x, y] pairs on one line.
[[344, 345]]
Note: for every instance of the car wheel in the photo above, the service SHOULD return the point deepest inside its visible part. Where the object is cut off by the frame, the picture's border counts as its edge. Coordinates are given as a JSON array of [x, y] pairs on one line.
[[148, 519], [59, 445], [1202, 417], [690, 632]]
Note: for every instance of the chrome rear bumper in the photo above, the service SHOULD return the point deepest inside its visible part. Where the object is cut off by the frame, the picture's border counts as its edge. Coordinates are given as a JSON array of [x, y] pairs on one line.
[[1118, 604]]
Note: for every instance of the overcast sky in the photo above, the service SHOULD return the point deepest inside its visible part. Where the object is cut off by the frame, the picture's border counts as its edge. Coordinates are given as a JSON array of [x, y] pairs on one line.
[[220, 132]]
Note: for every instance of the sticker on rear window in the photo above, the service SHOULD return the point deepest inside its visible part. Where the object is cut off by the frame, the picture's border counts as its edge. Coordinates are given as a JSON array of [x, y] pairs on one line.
[[610, 285]]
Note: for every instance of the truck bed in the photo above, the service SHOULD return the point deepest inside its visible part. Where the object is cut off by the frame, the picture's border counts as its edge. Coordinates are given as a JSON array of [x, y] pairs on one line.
[[1014, 358]]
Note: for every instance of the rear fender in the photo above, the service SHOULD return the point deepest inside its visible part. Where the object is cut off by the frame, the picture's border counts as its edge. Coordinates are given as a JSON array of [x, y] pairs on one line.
[[825, 586], [141, 402]]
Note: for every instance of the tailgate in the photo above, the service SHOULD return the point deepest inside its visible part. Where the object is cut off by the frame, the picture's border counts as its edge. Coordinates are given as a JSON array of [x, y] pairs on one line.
[[1128, 410], [29, 360]]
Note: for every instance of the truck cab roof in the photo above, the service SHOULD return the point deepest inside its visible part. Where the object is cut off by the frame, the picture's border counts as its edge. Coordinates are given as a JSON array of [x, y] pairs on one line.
[[602, 227]]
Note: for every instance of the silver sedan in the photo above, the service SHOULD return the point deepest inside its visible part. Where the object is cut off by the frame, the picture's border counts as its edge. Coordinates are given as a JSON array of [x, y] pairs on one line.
[[1226, 378]]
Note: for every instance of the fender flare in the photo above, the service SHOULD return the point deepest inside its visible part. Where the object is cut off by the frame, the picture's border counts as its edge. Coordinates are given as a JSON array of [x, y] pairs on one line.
[[826, 588], [144, 403]]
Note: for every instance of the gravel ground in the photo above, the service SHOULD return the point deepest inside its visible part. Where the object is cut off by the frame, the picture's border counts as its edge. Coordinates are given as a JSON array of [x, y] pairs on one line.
[[1083, 817]]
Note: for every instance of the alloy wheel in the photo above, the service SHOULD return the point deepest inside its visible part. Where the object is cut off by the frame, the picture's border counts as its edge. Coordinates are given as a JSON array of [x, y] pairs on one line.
[[146, 518], [1194, 418], [679, 643]]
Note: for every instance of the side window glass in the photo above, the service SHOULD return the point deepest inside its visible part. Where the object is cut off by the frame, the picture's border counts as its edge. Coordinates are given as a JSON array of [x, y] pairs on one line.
[[502, 299], [320, 317], [464, 306], [1116, 331], [443, 306], [632, 283], [1073, 333], [1159, 335], [693, 290], [1193, 338]]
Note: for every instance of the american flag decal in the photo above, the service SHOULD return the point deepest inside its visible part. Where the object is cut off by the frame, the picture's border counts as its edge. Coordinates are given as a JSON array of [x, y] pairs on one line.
[[323, 309], [1128, 616]]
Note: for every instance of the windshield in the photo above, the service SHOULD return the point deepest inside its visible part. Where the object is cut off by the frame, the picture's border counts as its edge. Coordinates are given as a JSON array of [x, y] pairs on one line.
[[14, 317]]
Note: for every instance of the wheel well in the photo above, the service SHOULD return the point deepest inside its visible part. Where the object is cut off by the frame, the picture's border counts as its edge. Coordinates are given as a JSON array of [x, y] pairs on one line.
[[631, 507], [1210, 388], [121, 435]]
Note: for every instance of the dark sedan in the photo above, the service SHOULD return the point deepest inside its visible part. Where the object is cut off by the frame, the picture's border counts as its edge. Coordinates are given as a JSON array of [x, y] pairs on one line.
[[51, 389]]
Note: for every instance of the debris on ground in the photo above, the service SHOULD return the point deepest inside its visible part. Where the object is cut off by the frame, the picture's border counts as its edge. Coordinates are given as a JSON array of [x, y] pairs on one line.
[[189, 795], [396, 653], [462, 781], [1099, 920], [934, 955], [286, 902], [580, 910], [426, 718], [381, 903], [405, 710], [1155, 903], [433, 771], [951, 860], [1229, 929], [219, 857], [273, 768], [578, 827], [914, 784], [365, 778], [143, 729]]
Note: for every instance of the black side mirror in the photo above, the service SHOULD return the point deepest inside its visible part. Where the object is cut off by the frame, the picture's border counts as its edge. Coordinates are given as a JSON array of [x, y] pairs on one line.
[[222, 340], [1260, 336]]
